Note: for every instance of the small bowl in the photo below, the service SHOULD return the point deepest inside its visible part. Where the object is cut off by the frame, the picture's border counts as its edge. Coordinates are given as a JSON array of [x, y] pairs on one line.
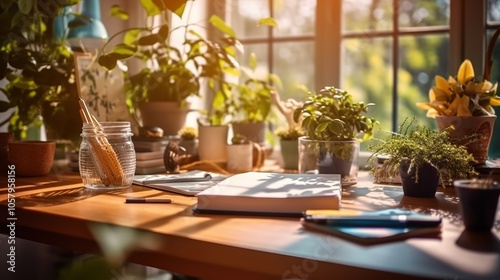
[[32, 158]]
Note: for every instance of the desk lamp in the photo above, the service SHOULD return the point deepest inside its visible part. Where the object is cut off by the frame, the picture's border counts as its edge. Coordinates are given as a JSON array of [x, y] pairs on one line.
[[92, 33]]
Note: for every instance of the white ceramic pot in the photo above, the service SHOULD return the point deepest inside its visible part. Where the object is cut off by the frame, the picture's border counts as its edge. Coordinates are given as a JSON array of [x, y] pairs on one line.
[[239, 158]]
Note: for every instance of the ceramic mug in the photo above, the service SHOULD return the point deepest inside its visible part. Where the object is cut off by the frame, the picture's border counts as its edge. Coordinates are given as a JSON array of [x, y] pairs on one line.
[[32, 158]]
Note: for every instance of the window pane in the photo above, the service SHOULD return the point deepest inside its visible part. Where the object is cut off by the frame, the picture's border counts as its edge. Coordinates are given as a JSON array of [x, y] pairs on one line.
[[260, 51], [243, 16], [294, 63], [294, 17], [493, 9], [367, 75], [494, 150], [363, 15], [421, 59], [413, 13]]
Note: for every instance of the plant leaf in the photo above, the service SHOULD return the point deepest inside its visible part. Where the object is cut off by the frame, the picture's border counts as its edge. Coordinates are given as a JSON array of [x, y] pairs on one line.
[[25, 6], [150, 7], [149, 40], [107, 61], [175, 6], [118, 12], [465, 72], [131, 36], [252, 61], [164, 31], [217, 22], [268, 21], [123, 51]]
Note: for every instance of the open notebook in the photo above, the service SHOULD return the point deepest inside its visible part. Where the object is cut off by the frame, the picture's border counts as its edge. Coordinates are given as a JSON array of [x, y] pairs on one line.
[[190, 183]]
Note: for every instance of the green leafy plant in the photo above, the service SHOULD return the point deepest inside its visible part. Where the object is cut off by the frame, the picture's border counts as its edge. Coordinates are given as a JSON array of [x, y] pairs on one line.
[[188, 133], [174, 74], [239, 139], [289, 132], [254, 95], [333, 115], [421, 145], [39, 68]]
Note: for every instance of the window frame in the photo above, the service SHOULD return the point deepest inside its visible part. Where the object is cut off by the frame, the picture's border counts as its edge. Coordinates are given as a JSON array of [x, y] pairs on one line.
[[466, 17]]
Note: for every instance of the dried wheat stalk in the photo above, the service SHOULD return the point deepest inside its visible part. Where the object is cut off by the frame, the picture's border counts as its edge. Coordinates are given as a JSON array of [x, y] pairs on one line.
[[111, 171]]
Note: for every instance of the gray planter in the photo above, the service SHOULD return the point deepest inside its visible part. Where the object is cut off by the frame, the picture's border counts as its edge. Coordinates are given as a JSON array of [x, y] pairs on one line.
[[290, 154]]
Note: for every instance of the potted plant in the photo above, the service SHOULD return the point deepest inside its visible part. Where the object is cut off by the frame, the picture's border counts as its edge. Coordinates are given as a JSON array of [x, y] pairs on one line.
[[334, 124], [289, 145], [39, 68], [465, 101], [189, 140], [253, 102], [239, 154], [172, 75], [423, 156]]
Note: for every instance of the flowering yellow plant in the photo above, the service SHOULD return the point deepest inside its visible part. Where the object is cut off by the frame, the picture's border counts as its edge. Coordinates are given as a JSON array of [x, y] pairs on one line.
[[461, 96]]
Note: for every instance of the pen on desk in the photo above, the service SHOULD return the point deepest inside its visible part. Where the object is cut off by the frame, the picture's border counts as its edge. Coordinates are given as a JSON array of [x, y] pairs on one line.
[[376, 221], [147, 200]]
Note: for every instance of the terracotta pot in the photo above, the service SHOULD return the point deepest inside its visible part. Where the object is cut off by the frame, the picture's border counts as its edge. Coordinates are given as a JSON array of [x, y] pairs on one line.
[[32, 158], [469, 125], [166, 115]]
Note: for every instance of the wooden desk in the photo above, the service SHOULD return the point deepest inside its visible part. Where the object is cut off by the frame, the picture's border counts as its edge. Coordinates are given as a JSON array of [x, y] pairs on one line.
[[57, 210]]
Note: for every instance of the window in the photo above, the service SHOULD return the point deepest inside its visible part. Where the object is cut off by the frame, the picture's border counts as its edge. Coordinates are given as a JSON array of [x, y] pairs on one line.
[[382, 51]]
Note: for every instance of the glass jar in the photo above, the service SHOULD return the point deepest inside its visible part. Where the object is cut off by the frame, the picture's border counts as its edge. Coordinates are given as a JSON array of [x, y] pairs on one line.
[[107, 158]]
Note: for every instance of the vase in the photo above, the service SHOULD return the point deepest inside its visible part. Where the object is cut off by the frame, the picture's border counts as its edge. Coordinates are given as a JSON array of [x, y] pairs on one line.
[[424, 186], [465, 126], [330, 157]]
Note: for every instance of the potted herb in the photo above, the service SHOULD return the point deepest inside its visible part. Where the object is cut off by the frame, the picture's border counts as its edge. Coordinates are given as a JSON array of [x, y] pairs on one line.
[[423, 156], [465, 101], [253, 101], [189, 140], [39, 68], [289, 145], [172, 75], [334, 124]]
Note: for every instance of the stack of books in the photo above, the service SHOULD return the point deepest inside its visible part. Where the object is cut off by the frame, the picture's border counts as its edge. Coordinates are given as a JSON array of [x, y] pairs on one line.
[[149, 154], [149, 162]]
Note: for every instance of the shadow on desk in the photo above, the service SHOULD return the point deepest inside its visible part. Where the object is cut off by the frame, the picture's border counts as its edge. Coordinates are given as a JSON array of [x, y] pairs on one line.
[[485, 242]]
